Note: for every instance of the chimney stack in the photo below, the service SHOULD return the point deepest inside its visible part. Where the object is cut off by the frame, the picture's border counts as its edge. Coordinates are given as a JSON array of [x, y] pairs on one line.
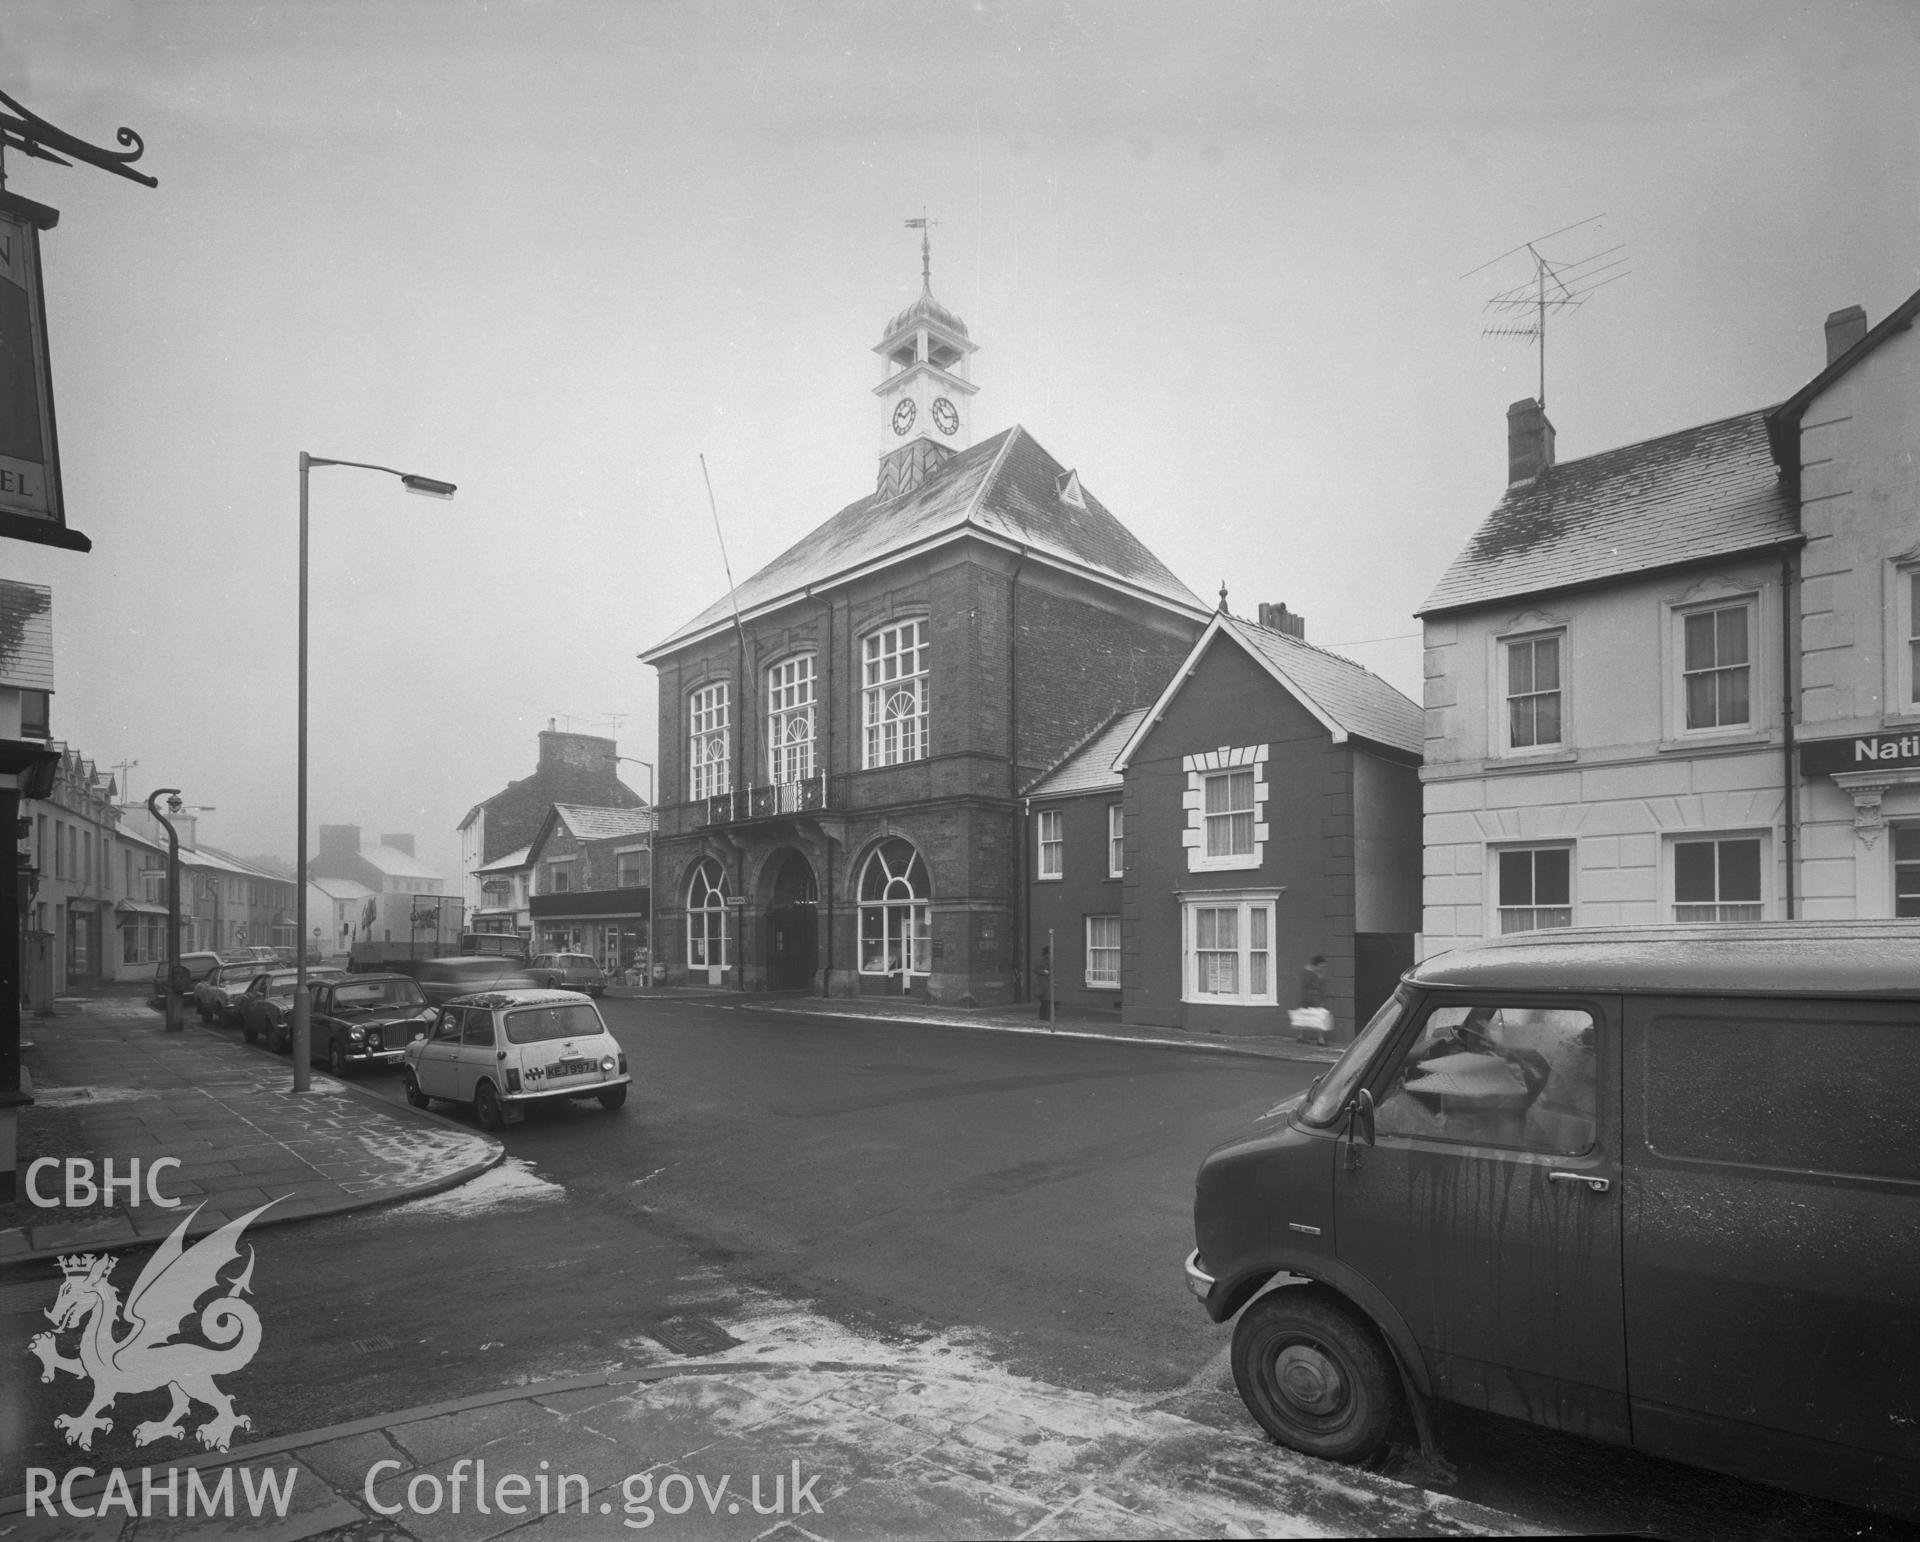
[[1529, 441], [337, 841], [1844, 329], [1277, 618], [398, 843]]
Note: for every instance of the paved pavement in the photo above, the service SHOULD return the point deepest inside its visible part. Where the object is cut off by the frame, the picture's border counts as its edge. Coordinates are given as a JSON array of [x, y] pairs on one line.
[[739, 1439], [133, 1092], [777, 1450], [1278, 1043]]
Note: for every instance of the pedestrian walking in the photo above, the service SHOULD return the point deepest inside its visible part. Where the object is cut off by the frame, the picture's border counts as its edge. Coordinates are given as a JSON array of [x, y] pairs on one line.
[[1311, 1019]]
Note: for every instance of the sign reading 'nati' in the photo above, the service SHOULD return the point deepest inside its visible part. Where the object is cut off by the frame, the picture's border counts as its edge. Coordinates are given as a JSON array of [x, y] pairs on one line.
[[1863, 752]]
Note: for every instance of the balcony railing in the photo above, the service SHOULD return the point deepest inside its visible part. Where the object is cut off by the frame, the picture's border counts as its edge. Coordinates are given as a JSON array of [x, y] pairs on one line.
[[809, 796]]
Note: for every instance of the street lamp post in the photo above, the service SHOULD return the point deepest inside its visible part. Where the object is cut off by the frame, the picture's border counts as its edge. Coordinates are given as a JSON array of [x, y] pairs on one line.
[[302, 997], [652, 836], [176, 1018]]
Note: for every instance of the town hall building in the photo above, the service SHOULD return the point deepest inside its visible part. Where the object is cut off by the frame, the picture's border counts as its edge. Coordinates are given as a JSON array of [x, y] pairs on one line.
[[843, 738]]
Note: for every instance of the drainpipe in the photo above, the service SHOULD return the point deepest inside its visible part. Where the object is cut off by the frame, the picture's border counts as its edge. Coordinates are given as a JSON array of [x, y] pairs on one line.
[[829, 700], [1791, 816], [1019, 917]]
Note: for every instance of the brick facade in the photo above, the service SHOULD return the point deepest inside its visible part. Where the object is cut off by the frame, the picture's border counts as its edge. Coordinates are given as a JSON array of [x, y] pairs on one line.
[[1014, 679]]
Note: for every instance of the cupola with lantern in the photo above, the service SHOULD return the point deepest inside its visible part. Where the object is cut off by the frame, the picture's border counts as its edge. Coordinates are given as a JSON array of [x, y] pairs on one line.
[[924, 391]]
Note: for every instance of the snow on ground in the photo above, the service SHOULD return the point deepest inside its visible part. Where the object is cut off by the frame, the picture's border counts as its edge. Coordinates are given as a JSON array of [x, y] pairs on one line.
[[946, 1406], [513, 1182]]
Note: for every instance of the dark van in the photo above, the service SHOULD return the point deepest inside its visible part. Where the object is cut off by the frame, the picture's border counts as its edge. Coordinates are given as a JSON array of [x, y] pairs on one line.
[[1659, 1187]]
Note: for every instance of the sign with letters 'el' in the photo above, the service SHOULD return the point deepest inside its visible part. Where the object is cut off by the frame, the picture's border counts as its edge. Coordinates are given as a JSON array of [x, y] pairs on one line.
[[30, 502]]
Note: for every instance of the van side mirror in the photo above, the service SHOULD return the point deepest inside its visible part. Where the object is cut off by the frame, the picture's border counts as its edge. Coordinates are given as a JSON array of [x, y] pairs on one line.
[[1360, 1117]]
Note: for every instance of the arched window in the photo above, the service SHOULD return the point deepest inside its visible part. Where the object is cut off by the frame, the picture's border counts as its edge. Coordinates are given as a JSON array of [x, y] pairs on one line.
[[895, 926], [790, 721], [707, 916], [708, 742], [894, 693]]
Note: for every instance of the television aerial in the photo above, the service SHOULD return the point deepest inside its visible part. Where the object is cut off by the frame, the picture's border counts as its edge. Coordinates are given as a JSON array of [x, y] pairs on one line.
[[1554, 285]]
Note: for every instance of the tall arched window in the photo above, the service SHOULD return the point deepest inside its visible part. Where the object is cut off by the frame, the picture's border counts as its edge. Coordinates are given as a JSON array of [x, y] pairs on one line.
[[708, 742], [790, 720], [894, 693], [895, 925], [707, 916]]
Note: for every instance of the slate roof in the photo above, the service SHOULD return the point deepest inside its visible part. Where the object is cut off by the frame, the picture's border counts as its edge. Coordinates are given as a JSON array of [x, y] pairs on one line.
[[1349, 699], [599, 824], [1709, 491], [341, 888], [394, 862], [1089, 767], [1006, 487], [1351, 696], [517, 858]]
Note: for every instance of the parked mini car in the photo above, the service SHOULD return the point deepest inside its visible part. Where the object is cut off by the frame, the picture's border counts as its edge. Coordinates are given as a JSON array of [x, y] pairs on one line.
[[264, 1010], [569, 972], [1659, 1187], [213, 995], [444, 978], [503, 1050]]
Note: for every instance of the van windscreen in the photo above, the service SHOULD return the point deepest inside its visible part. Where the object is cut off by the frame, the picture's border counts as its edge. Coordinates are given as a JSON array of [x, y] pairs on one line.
[[1336, 1086]]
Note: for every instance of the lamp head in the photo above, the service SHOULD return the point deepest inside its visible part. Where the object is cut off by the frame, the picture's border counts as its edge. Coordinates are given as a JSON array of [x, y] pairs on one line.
[[175, 804], [427, 487]]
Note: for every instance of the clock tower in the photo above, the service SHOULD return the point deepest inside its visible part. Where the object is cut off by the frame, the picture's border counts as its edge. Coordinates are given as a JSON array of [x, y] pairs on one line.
[[924, 390]]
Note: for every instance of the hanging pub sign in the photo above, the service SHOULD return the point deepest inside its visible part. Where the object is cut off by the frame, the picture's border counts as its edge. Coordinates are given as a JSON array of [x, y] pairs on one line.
[[30, 503], [1861, 752]]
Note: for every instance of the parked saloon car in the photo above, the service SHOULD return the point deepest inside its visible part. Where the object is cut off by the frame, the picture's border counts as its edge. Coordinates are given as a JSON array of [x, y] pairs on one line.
[[1655, 1187], [503, 1050], [444, 978], [264, 1010], [569, 972], [197, 966], [366, 1019], [213, 995]]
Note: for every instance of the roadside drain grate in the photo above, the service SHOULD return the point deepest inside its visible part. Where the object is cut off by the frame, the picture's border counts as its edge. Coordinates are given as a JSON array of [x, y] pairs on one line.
[[692, 1335], [372, 1346], [15, 1300]]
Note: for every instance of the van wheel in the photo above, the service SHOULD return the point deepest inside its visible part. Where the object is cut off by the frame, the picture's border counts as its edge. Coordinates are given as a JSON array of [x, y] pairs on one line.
[[613, 1097], [486, 1107], [1315, 1374], [414, 1095]]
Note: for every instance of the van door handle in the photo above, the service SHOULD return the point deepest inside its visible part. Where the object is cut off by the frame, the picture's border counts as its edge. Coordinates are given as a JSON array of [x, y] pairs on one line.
[[1598, 1185]]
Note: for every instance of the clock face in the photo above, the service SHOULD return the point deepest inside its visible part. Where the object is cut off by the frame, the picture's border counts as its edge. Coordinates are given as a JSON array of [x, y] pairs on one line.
[[903, 415], [945, 417]]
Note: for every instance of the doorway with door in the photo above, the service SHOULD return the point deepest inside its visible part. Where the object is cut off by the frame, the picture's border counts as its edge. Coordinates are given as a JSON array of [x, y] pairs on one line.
[[792, 923]]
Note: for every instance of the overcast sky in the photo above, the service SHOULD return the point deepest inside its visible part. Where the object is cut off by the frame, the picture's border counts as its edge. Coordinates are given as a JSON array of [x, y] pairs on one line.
[[1213, 255]]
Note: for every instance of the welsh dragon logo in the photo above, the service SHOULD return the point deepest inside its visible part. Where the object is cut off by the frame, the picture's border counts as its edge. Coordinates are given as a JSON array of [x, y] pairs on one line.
[[149, 1354]]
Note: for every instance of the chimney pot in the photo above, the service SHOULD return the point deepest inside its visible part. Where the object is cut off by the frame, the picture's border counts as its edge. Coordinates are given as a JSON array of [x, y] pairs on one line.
[[1529, 441], [1844, 329], [1277, 618]]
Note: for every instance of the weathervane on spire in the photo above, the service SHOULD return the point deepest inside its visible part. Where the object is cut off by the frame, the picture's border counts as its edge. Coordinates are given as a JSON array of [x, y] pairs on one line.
[[926, 249]]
